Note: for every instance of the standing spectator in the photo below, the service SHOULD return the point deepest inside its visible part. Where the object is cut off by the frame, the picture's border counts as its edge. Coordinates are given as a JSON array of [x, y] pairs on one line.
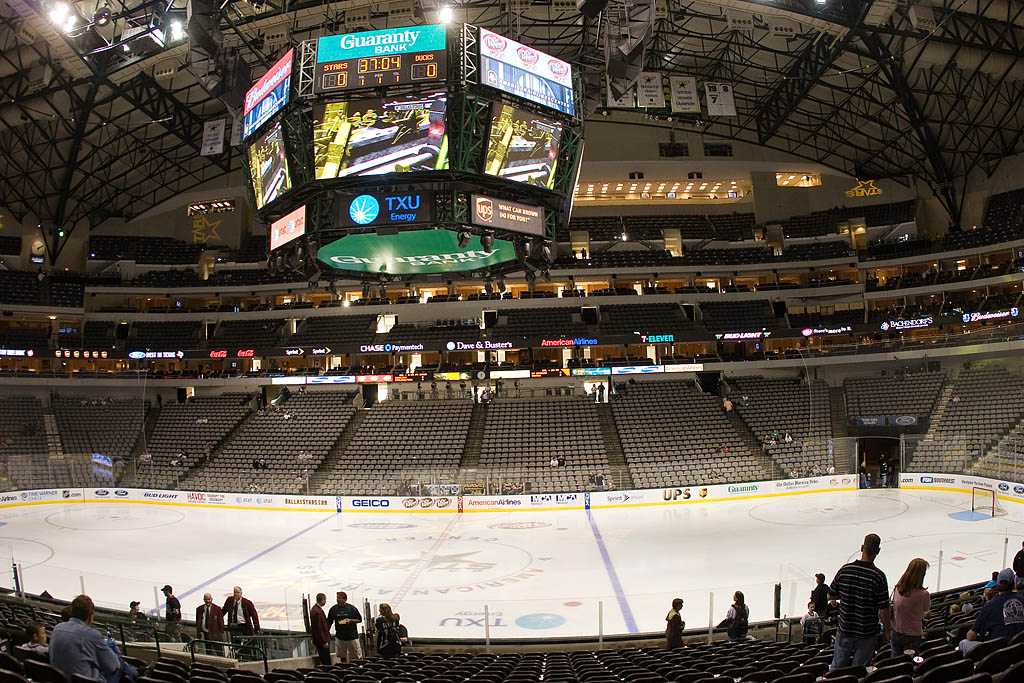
[[812, 613], [389, 638], [737, 619], [863, 593], [321, 631], [241, 614], [674, 626], [862, 470], [35, 642], [1000, 617], [173, 614], [599, 481], [346, 618], [819, 596], [210, 625], [883, 470], [1018, 562], [910, 601], [133, 611], [727, 404], [78, 648]]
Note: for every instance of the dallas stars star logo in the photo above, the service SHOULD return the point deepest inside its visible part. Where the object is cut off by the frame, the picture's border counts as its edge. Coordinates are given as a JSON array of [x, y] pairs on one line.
[[453, 562], [204, 230]]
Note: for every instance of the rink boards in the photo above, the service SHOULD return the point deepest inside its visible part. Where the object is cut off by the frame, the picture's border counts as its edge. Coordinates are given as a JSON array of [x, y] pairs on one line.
[[455, 503]]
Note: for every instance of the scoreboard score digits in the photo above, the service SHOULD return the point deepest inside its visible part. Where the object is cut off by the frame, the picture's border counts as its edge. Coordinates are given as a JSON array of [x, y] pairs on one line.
[[415, 54]]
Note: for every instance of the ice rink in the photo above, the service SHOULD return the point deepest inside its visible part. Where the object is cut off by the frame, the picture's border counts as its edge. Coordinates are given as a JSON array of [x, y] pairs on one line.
[[541, 574]]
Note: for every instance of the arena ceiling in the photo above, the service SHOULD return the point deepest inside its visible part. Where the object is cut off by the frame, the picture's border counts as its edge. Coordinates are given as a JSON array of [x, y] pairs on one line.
[[874, 88]]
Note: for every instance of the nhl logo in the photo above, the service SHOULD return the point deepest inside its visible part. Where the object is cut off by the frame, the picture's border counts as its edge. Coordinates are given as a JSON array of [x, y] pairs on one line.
[[484, 209]]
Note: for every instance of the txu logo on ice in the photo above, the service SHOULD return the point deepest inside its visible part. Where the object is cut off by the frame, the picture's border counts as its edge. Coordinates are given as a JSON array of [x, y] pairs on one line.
[[364, 209]]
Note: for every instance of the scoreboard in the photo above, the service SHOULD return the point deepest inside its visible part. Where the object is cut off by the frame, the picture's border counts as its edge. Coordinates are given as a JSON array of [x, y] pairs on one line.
[[416, 54]]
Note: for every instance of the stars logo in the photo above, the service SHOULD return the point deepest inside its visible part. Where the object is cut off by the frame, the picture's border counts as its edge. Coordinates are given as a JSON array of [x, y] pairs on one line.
[[864, 188], [204, 230]]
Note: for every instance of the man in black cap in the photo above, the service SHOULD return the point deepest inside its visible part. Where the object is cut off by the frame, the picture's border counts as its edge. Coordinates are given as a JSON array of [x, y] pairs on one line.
[[173, 615]]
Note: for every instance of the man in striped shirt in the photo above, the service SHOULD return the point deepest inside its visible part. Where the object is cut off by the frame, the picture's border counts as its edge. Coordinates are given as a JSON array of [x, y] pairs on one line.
[[863, 594]]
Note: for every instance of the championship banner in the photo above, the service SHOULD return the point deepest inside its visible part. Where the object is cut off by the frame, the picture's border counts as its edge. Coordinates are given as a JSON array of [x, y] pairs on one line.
[[720, 99], [213, 138], [684, 94], [624, 102], [649, 90]]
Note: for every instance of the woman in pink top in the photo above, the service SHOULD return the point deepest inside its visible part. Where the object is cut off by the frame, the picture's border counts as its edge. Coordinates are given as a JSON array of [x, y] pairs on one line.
[[910, 602]]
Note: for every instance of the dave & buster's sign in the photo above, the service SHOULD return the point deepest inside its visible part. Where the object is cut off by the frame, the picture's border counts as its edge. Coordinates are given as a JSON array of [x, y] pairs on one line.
[[502, 213], [268, 96]]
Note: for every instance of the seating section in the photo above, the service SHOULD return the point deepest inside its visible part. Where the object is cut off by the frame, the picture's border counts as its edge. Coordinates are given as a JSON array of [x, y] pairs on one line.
[[148, 250], [190, 428], [738, 316], [541, 321], [293, 438], [520, 437], [776, 407], [644, 319], [812, 225], [99, 335], [984, 404], [108, 426], [349, 329], [401, 443], [24, 336], [166, 336], [911, 393], [673, 435], [876, 215], [23, 442], [258, 334]]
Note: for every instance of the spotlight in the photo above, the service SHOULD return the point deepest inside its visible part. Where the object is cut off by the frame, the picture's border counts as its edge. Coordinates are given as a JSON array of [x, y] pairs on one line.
[[501, 285], [177, 30], [489, 287], [101, 17], [487, 241], [69, 23], [383, 291], [366, 290], [445, 15], [271, 264], [531, 279], [59, 13], [280, 262], [464, 238], [546, 275], [126, 48], [528, 249]]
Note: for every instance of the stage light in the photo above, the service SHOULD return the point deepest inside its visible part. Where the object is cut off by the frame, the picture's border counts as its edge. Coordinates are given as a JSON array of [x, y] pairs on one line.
[[546, 275], [487, 241], [59, 13], [126, 48], [177, 30], [464, 238], [488, 287], [101, 17], [547, 252], [501, 285], [69, 23], [446, 15]]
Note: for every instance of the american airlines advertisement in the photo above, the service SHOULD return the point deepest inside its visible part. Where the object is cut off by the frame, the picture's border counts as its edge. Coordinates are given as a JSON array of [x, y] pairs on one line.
[[268, 96]]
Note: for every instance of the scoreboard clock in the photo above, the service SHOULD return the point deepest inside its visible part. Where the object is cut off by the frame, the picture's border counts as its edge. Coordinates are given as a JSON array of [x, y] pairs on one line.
[[415, 54]]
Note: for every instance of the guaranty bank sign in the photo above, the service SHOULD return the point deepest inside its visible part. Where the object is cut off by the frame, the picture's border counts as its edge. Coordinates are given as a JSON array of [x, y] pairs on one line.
[[416, 251]]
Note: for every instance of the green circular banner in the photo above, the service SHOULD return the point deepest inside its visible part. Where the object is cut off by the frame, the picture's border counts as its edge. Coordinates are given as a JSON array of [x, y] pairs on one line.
[[416, 251]]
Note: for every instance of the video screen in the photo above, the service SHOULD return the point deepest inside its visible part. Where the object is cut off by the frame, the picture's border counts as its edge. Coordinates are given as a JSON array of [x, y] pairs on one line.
[[381, 135], [268, 167], [268, 96], [522, 146], [288, 228], [525, 72]]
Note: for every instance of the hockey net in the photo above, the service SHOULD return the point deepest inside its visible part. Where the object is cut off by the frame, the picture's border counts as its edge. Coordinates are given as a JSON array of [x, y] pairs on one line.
[[986, 502]]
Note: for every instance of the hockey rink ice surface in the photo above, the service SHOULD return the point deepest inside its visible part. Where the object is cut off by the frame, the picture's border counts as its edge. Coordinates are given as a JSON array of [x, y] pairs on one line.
[[541, 574]]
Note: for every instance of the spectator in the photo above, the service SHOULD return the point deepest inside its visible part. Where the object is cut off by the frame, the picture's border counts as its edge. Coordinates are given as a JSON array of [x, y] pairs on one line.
[[727, 404], [883, 470], [863, 593], [1000, 617], [910, 602], [133, 611], [787, 437], [811, 614], [561, 461], [674, 626], [1018, 562], [736, 619], [819, 595], [241, 614], [210, 625], [35, 642], [346, 618], [744, 400], [995, 577], [554, 461], [389, 638], [78, 648], [403, 632], [321, 631], [172, 615], [966, 607], [591, 480], [862, 470], [599, 480]]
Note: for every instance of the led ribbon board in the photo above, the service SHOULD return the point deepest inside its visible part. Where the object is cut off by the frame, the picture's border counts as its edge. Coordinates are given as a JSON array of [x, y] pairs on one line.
[[414, 54]]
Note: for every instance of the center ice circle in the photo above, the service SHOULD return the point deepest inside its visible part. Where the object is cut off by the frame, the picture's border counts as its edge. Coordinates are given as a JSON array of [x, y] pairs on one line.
[[816, 511], [450, 563]]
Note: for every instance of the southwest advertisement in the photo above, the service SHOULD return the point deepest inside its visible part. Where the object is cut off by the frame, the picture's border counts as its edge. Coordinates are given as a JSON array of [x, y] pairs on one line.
[[417, 251]]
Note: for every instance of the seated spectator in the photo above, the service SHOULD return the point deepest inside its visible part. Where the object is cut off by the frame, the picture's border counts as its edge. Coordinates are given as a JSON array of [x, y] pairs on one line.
[[35, 642], [561, 461], [133, 612], [993, 581], [744, 400], [78, 648], [1000, 617], [787, 437], [554, 461], [965, 603]]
